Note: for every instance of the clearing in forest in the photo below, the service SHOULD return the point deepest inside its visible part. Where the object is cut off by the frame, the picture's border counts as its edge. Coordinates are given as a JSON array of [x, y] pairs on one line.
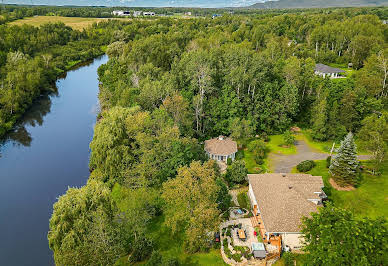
[[76, 23]]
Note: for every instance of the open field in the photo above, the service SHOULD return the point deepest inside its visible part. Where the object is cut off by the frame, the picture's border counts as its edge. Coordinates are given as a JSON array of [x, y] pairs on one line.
[[369, 199], [74, 22]]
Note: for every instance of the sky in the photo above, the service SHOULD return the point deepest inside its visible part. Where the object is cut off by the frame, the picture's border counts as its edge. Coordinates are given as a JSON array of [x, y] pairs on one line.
[[140, 3]]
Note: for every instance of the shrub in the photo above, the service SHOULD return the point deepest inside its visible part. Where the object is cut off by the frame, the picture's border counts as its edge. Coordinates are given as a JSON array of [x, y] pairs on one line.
[[258, 149], [237, 257], [305, 166], [243, 200], [229, 161], [142, 248], [328, 161], [288, 258], [288, 138], [229, 232], [236, 173]]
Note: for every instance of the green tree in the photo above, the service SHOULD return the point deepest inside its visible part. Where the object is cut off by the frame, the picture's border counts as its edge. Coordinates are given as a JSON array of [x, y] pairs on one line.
[[288, 138], [241, 128], [259, 150], [336, 237], [191, 203], [344, 165], [236, 173], [374, 137], [223, 196], [84, 229]]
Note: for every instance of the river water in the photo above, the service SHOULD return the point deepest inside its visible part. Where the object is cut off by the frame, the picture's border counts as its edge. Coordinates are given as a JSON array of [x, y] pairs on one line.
[[47, 152]]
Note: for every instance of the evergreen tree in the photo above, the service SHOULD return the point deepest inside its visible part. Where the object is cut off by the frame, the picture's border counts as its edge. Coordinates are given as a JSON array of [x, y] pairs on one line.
[[344, 164]]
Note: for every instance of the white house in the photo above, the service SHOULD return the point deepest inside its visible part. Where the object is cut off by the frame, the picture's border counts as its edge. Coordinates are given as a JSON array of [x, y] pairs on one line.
[[327, 71], [121, 13], [149, 14], [281, 200], [221, 148]]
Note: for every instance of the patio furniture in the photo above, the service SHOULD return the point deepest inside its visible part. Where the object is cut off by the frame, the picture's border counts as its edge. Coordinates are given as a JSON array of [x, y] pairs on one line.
[[241, 234]]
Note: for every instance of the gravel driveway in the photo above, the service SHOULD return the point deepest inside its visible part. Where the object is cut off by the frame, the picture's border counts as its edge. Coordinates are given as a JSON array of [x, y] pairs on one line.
[[284, 163]]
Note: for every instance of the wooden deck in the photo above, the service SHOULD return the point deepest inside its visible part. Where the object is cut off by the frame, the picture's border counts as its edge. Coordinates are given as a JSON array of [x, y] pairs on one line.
[[273, 240]]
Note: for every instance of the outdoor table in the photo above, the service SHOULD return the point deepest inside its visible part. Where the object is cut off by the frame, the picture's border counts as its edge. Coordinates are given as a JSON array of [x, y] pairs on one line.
[[241, 234]]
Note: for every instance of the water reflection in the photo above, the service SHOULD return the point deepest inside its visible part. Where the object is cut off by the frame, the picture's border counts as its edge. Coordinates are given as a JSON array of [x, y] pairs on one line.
[[33, 117]]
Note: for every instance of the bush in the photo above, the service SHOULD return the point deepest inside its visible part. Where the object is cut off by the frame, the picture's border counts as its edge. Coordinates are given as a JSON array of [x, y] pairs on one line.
[[236, 173], [243, 200], [229, 232], [237, 257], [288, 258], [328, 161], [258, 149], [229, 161], [288, 138], [305, 166], [141, 249]]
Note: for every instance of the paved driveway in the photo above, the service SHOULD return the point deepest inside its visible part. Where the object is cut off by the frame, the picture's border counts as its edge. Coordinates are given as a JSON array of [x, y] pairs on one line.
[[284, 163]]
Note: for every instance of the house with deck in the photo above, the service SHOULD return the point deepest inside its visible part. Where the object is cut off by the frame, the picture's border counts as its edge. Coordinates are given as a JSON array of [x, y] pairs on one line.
[[327, 71], [221, 148], [279, 201]]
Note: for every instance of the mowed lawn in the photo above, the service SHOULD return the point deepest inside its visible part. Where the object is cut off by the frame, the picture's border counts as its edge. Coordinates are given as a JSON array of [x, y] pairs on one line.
[[370, 199], [274, 145], [74, 22]]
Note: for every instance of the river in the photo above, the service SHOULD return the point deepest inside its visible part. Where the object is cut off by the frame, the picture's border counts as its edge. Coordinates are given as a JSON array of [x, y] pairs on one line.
[[47, 152]]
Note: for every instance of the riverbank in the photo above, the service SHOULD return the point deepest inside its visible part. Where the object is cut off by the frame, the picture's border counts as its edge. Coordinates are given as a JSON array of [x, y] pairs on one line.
[[45, 153], [59, 73]]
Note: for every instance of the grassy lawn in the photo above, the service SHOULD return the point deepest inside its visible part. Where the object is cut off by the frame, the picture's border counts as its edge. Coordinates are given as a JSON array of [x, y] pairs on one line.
[[275, 145], [172, 246], [299, 259], [323, 146], [76, 23], [370, 199]]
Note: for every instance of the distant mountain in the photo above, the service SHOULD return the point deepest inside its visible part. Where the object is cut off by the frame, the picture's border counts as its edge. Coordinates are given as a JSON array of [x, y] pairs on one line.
[[319, 3]]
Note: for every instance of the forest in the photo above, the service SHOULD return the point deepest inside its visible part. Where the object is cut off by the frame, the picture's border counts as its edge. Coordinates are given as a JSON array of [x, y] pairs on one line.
[[170, 84], [32, 58]]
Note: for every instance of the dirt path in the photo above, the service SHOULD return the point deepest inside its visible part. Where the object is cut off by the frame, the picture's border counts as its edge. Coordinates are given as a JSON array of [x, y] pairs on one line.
[[284, 163]]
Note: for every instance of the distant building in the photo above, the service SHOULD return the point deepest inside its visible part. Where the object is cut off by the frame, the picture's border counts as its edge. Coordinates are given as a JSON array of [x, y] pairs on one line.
[[215, 16], [148, 14], [122, 13], [221, 148], [188, 13], [327, 71], [137, 13]]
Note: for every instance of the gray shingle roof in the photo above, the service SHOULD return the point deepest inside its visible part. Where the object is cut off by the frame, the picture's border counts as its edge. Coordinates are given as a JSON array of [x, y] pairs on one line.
[[327, 69], [283, 200]]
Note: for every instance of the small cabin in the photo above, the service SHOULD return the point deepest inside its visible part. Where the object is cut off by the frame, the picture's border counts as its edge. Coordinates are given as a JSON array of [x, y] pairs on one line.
[[221, 148], [327, 71]]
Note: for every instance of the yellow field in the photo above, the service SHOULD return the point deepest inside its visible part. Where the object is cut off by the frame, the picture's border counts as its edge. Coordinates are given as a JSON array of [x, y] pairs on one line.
[[74, 22]]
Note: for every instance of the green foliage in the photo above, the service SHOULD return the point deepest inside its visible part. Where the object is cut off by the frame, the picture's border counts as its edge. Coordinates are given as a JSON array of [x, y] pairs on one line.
[[289, 258], [305, 166], [191, 203], [328, 161], [374, 137], [344, 165], [243, 200], [288, 138], [236, 173], [223, 196], [259, 150], [84, 228], [335, 237], [241, 129]]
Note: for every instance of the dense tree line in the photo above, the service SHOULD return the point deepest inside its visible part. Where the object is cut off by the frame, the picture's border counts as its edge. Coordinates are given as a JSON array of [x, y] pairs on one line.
[[169, 84], [32, 58]]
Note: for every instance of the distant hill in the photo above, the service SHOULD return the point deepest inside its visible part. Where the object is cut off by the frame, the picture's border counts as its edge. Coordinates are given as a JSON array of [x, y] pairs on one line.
[[319, 3]]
